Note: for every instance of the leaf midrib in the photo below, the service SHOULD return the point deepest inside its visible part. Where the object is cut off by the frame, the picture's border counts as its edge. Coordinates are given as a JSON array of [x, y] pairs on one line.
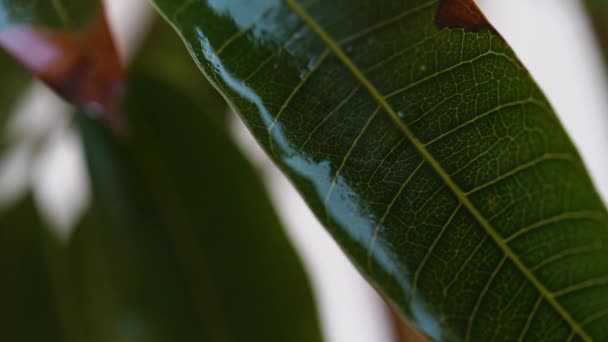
[[61, 12], [334, 47]]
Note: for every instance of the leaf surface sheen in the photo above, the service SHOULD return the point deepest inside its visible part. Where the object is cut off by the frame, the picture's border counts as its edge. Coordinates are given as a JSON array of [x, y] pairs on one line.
[[430, 155]]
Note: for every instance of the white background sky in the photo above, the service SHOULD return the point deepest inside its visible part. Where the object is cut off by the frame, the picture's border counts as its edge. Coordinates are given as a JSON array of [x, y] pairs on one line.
[[552, 38]]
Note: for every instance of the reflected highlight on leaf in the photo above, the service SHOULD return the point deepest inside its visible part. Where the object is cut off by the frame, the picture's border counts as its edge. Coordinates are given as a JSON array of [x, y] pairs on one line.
[[427, 151]]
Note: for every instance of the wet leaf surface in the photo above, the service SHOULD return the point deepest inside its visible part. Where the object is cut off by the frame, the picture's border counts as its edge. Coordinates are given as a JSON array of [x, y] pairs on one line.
[[426, 150]]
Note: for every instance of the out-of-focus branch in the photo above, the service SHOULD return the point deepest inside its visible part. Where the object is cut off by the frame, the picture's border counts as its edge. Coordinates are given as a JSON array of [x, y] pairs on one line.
[[598, 12], [78, 60]]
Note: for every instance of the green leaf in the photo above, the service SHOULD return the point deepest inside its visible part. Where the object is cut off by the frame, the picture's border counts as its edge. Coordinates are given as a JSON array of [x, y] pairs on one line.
[[167, 252], [14, 75], [167, 58], [47, 13], [26, 293], [19, 80], [428, 152], [202, 247]]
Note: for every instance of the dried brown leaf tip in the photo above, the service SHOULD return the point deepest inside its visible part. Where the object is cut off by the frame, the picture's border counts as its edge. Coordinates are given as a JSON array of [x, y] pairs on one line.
[[462, 14], [83, 67]]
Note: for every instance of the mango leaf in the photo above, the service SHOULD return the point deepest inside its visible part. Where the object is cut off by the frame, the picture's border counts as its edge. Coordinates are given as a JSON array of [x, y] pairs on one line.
[[167, 58], [428, 152], [45, 293], [25, 292], [160, 256], [208, 257]]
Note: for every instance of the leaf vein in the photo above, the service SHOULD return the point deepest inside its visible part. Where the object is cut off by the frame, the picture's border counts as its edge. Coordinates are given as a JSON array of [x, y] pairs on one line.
[[567, 216], [326, 118], [293, 93], [535, 162], [568, 253], [443, 71], [587, 284], [388, 209], [183, 7], [526, 327], [348, 153], [463, 266], [432, 248], [482, 295], [382, 101], [494, 110], [242, 31], [387, 22], [61, 12], [270, 57]]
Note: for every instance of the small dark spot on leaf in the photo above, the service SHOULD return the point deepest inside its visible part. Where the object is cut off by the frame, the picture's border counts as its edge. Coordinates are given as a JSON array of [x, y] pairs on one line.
[[492, 202]]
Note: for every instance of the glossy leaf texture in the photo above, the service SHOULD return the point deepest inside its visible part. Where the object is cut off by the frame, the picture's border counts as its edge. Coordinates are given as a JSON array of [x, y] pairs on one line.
[[426, 149], [166, 57]]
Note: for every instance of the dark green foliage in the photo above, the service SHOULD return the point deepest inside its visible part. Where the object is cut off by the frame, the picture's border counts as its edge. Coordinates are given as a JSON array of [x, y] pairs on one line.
[[429, 153]]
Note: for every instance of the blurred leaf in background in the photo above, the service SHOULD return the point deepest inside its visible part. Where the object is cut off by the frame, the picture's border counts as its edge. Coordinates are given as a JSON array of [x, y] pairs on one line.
[[598, 12], [180, 244], [233, 280], [165, 57], [56, 14], [18, 79], [28, 311]]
